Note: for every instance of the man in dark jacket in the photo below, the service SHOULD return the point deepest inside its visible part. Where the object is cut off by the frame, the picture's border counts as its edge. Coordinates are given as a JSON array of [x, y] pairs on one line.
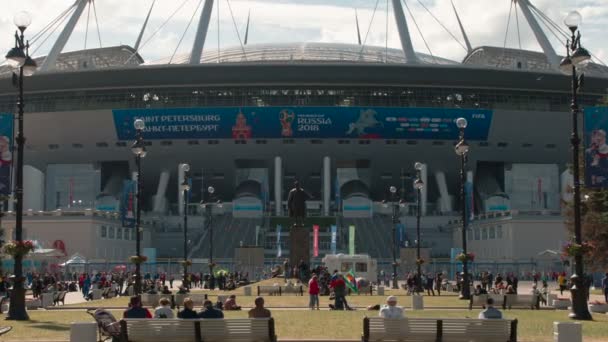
[[135, 309], [296, 203], [210, 311]]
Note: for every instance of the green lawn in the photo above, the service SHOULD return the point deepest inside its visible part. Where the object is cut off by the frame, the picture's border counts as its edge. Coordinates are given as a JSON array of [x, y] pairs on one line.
[[533, 325]]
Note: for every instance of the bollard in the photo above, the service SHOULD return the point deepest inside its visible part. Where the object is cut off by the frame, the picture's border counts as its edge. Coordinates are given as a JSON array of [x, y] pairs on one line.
[[380, 291], [83, 332], [567, 332], [417, 302]]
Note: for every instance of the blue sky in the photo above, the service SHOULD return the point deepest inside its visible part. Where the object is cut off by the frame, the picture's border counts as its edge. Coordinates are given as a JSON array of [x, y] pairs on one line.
[[275, 21]]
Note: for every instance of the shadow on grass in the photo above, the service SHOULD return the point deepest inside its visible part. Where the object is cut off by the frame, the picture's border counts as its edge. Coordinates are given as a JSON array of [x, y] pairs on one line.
[[47, 325]]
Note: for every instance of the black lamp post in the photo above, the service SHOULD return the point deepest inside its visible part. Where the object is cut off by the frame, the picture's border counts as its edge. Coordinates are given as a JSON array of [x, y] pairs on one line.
[[395, 220], [208, 207], [418, 185], [19, 58], [576, 57], [185, 187], [139, 149], [462, 148]]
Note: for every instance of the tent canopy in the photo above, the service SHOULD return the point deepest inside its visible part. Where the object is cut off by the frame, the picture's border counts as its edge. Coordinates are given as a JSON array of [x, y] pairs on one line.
[[75, 259]]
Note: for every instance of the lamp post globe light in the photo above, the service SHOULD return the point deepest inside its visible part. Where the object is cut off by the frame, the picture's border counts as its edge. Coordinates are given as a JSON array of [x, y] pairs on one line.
[[576, 59], [139, 149], [418, 185], [462, 149], [185, 187], [19, 59]]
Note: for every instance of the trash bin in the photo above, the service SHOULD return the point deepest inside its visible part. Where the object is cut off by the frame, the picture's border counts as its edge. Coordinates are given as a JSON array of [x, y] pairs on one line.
[[47, 299], [417, 302], [567, 332], [247, 290], [380, 290], [83, 332]]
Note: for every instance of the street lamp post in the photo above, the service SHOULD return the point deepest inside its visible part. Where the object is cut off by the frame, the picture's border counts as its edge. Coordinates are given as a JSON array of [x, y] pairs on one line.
[[139, 149], [418, 185], [576, 57], [462, 149], [185, 187], [395, 220], [208, 206], [19, 58]]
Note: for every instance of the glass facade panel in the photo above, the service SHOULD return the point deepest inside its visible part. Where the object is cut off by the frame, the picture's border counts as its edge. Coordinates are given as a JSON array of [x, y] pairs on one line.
[[71, 186]]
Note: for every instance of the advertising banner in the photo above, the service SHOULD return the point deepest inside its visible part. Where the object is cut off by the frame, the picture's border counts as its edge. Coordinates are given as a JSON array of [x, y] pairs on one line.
[[279, 251], [6, 154], [334, 239], [596, 149], [303, 122], [351, 240], [400, 238], [127, 204], [315, 240]]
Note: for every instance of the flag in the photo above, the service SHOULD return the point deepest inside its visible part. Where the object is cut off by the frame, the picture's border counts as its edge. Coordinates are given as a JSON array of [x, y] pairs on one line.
[[279, 252], [6, 156], [334, 238], [351, 281], [127, 204], [401, 235], [469, 204], [351, 240], [315, 240]]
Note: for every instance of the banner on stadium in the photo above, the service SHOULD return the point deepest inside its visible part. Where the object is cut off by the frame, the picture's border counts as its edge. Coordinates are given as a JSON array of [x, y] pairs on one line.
[[400, 235], [351, 240], [596, 149], [315, 240], [334, 239], [127, 204], [279, 251], [303, 122], [6, 154], [469, 204]]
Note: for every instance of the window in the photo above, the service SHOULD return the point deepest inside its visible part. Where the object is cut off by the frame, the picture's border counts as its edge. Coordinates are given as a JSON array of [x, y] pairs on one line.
[[119, 233], [111, 234], [346, 266], [104, 231], [476, 233], [484, 233], [492, 233], [499, 232], [361, 267]]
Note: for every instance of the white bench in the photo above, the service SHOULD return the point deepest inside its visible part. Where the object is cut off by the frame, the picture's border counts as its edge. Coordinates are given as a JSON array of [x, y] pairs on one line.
[[151, 299], [280, 290], [197, 330], [197, 298], [526, 300], [432, 330], [480, 301]]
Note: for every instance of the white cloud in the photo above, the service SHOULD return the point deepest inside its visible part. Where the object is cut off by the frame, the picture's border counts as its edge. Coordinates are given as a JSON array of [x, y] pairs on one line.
[[300, 20]]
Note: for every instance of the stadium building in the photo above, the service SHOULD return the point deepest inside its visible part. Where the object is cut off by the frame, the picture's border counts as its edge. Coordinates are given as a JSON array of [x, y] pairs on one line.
[[347, 121]]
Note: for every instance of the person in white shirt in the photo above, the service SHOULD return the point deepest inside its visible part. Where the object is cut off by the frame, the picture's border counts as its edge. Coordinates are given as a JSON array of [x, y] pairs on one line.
[[164, 310], [391, 310]]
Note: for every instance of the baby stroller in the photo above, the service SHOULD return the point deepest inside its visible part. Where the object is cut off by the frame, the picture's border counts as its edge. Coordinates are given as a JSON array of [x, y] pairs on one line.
[[109, 327]]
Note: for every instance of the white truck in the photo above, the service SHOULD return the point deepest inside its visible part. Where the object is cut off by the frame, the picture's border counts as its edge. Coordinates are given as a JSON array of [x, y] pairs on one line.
[[361, 264]]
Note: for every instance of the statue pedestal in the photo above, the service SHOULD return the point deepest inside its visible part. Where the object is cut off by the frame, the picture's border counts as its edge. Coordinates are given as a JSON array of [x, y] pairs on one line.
[[299, 246]]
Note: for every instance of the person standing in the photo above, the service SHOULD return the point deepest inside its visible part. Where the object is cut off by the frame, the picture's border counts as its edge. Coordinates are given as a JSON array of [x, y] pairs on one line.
[[429, 284], [286, 269], [561, 281], [438, 283], [313, 292]]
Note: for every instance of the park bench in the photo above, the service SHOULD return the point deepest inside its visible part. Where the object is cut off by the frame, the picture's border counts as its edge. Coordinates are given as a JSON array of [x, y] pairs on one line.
[[280, 290], [197, 330], [150, 299], [480, 301], [522, 300], [178, 299], [439, 330]]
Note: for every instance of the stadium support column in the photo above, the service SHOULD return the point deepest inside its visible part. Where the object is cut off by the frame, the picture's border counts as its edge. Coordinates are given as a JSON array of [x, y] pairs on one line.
[[278, 186], [404, 33], [201, 33], [51, 58], [159, 199], [542, 39], [326, 185]]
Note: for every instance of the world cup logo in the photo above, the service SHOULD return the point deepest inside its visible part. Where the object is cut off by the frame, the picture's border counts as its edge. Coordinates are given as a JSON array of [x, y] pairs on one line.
[[286, 118]]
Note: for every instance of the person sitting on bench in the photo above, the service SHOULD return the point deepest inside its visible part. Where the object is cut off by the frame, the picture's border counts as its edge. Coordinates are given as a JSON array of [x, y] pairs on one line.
[[230, 304], [490, 312]]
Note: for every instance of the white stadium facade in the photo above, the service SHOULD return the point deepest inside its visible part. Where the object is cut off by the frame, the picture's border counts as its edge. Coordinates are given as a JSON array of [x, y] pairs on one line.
[[347, 121]]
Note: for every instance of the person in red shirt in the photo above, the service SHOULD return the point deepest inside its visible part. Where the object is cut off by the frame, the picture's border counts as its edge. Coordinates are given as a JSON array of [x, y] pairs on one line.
[[313, 292]]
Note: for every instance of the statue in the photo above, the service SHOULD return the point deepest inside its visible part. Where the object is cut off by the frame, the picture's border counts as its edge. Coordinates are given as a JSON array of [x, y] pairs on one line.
[[296, 204]]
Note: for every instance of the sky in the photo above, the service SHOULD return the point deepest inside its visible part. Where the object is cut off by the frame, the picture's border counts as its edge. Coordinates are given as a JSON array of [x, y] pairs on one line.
[[278, 21]]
